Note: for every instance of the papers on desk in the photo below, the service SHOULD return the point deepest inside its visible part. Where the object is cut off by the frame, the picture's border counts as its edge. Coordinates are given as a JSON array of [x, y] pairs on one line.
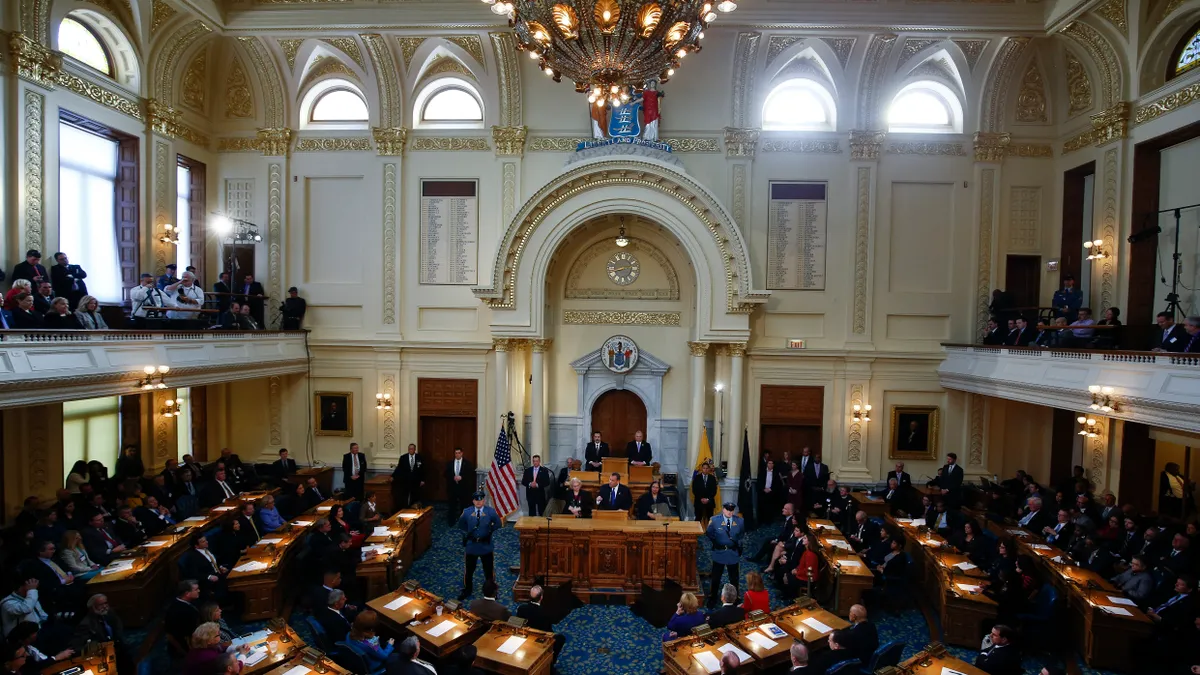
[[1058, 559], [117, 566], [195, 519], [965, 566], [761, 640], [970, 588], [730, 647], [773, 631], [255, 655], [825, 526], [1018, 533], [904, 521], [1039, 547], [368, 551], [324, 508], [932, 543], [816, 625], [154, 544], [256, 636], [918, 522], [946, 670], [849, 562], [298, 670], [441, 629], [301, 523], [398, 602], [272, 540], [252, 566], [841, 543], [710, 662], [381, 531], [222, 509], [511, 645], [1121, 601], [408, 516], [1118, 611]]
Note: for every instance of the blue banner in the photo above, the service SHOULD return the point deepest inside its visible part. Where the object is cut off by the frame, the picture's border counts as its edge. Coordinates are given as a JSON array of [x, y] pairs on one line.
[[623, 121]]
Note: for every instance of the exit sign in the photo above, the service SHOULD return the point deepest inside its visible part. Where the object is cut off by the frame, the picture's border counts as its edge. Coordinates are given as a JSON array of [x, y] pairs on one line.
[[795, 344]]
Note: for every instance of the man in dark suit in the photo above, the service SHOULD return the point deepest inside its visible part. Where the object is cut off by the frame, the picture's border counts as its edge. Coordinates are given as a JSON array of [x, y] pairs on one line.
[[486, 607], [950, 480], [67, 280], [1001, 658], [249, 531], [1176, 612], [192, 465], [354, 468], [595, 452], [638, 450], [1036, 519], [1025, 333], [182, 616], [218, 490], [200, 564], [537, 480], [31, 269], [614, 496], [319, 541], [903, 478], [43, 295], [56, 587], [891, 495], [1171, 337], [128, 529], [862, 532], [284, 466], [945, 521], [223, 289], [839, 651], [704, 493], [154, 516], [1178, 558], [333, 616], [798, 656], [816, 475], [1097, 558], [862, 636], [460, 484], [408, 478], [100, 542], [1061, 531], [312, 493], [994, 335], [252, 292], [789, 522], [535, 617], [728, 612]]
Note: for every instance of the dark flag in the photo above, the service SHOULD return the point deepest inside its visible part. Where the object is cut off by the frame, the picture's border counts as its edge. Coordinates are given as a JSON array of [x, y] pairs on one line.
[[746, 491]]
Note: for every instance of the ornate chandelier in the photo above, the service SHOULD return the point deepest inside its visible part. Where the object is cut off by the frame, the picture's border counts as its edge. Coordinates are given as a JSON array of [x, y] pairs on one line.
[[610, 48]]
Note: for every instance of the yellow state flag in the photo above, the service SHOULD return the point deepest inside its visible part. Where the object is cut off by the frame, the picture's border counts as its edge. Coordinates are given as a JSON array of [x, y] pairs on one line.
[[706, 456]]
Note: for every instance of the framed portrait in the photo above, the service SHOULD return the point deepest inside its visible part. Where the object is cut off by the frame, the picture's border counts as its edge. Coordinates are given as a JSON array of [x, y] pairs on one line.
[[914, 432], [334, 413]]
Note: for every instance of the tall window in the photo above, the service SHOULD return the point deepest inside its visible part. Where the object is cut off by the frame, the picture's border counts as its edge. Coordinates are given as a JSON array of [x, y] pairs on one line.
[[79, 42], [91, 430], [183, 217], [925, 107], [799, 104], [183, 421], [87, 208], [1187, 54]]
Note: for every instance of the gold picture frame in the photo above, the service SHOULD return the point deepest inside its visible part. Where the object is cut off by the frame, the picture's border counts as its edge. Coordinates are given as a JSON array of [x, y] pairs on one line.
[[914, 432], [333, 412]]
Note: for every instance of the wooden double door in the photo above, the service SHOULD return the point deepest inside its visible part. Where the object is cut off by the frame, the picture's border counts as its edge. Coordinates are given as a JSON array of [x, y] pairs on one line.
[[439, 437], [617, 415]]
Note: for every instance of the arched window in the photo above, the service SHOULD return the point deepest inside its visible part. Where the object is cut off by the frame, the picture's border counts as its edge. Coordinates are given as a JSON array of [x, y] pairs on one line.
[[339, 105], [1187, 54], [800, 104], [925, 107], [449, 103], [80, 42]]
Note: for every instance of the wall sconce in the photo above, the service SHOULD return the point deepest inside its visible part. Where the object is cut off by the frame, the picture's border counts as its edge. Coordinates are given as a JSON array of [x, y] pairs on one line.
[[383, 401], [862, 413], [170, 235], [168, 409], [718, 387], [1095, 249], [1102, 398], [154, 378], [1087, 426]]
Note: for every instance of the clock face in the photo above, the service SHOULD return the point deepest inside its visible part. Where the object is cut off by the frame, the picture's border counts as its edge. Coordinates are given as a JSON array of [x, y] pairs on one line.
[[623, 268]]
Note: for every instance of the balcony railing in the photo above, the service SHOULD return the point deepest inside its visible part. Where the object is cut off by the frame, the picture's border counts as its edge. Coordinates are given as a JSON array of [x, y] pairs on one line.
[[40, 366], [1156, 388]]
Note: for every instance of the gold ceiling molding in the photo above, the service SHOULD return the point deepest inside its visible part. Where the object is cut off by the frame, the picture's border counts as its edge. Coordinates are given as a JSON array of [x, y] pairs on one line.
[[841, 47], [999, 82], [698, 348], [35, 20], [470, 44], [1031, 150], [195, 82], [1114, 12], [290, 47], [605, 247], [1169, 103], [446, 64], [778, 44], [928, 148], [238, 144], [579, 317], [163, 119], [269, 79], [509, 141], [1079, 86], [334, 144], [32, 62], [692, 144], [555, 144], [34, 166], [164, 67], [1031, 98], [239, 96], [1103, 56], [800, 146], [972, 50], [327, 66], [1107, 126], [160, 14], [121, 103], [408, 47], [274, 142], [349, 47], [1077, 142], [866, 145], [449, 144], [511, 109], [391, 111], [741, 142], [991, 147], [389, 141]]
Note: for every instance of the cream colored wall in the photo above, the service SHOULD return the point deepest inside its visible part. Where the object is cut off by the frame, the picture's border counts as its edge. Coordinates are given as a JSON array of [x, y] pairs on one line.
[[1018, 437]]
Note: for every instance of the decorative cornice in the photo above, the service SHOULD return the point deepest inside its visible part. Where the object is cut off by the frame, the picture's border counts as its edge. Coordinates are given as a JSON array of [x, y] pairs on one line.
[[162, 119], [509, 141], [866, 145], [698, 348], [1111, 124], [1078, 141], [1039, 150], [274, 142], [929, 148], [502, 344], [33, 62], [805, 147], [123, 104], [721, 349], [238, 144], [449, 143], [334, 144], [555, 144], [741, 142], [1169, 103], [541, 345], [389, 141], [193, 135], [578, 317], [692, 144], [991, 147], [737, 349]]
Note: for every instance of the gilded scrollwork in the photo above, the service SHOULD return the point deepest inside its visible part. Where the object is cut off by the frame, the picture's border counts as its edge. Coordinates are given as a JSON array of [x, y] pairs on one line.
[[580, 317], [275, 229], [347, 46], [741, 142], [1079, 86], [983, 283], [275, 142], [509, 141], [34, 165], [991, 147], [1169, 103], [389, 244], [195, 82], [511, 109], [1031, 98], [930, 148], [862, 237], [449, 143], [334, 144], [390, 141], [801, 146]]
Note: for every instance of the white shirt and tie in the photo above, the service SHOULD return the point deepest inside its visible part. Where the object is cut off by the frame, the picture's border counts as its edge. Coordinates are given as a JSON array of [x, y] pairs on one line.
[[458, 467], [354, 464], [1028, 517], [412, 461], [229, 493], [212, 560], [769, 482]]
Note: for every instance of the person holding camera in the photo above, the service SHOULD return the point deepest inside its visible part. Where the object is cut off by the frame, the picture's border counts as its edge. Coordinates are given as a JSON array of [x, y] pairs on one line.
[[293, 309], [67, 280]]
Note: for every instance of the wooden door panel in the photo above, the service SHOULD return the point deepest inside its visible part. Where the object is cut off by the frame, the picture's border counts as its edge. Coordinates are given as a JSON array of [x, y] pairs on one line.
[[617, 415], [438, 438], [790, 438], [1023, 279]]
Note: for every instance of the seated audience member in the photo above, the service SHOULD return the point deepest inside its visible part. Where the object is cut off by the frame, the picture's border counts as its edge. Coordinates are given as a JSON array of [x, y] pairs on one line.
[[862, 636], [1022, 335], [878, 550], [22, 605], [154, 516], [245, 320], [1136, 582], [23, 316], [999, 656], [87, 314], [249, 534], [313, 494], [1035, 518], [218, 490], [891, 495], [43, 295], [100, 625], [407, 661], [895, 562], [976, 546], [333, 617], [205, 650], [1082, 332], [462, 662], [25, 634], [826, 500], [807, 568], [182, 616], [772, 548], [687, 616], [1109, 339], [294, 502], [24, 286], [201, 564], [128, 529], [1060, 532], [73, 556], [340, 524], [756, 597], [343, 557], [1179, 558], [210, 612], [533, 613], [100, 541], [268, 515], [862, 532], [320, 539], [1191, 326], [730, 663], [362, 635], [839, 651], [729, 612], [57, 589], [487, 607], [647, 502], [945, 521], [228, 319], [59, 316], [47, 527], [1175, 613], [787, 550], [994, 335]]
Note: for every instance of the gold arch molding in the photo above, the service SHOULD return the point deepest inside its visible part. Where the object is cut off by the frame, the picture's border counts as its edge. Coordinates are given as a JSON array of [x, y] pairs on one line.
[[741, 297]]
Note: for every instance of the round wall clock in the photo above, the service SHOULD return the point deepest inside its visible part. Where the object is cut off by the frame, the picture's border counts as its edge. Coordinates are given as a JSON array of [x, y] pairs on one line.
[[623, 268]]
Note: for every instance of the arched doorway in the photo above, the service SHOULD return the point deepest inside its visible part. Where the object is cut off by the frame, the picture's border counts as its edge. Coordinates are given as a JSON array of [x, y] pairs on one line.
[[618, 414]]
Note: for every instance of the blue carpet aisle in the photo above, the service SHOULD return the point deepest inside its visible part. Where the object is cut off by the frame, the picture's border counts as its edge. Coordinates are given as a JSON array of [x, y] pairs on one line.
[[601, 640]]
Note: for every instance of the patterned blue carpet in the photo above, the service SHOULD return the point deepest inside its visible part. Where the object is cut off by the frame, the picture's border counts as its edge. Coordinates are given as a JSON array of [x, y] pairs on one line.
[[602, 638]]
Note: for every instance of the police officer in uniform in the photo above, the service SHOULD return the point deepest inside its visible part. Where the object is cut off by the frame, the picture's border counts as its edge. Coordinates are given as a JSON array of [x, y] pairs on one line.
[[725, 532], [478, 522]]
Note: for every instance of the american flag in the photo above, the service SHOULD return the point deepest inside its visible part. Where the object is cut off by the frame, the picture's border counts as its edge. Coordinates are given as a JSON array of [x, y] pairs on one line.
[[501, 480]]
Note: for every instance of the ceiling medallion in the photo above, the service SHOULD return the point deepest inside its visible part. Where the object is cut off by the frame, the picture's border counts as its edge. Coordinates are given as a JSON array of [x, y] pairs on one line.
[[610, 48]]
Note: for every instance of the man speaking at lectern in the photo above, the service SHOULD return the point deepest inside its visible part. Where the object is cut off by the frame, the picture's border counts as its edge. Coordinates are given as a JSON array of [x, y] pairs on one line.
[[614, 496]]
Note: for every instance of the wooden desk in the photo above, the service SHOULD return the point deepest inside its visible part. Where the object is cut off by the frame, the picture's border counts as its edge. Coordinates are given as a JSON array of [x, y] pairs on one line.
[[845, 569], [311, 663], [384, 570], [535, 656], [381, 485], [100, 658], [679, 655], [764, 656], [607, 557], [323, 474], [288, 645], [792, 620], [465, 628], [422, 524], [421, 605], [261, 574], [155, 572], [874, 507], [934, 659]]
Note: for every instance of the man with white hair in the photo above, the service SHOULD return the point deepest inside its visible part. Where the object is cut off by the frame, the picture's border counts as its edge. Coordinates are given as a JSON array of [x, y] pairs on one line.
[[1035, 520], [799, 658], [728, 612], [730, 663], [407, 662], [185, 293], [1192, 326]]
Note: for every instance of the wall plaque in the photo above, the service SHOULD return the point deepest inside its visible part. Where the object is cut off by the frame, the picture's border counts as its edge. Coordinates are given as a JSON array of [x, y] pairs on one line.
[[797, 223], [449, 232]]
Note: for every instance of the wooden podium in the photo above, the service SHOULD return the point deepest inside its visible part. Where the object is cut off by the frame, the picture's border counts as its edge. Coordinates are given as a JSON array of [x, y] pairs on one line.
[[613, 465], [610, 515], [535, 655]]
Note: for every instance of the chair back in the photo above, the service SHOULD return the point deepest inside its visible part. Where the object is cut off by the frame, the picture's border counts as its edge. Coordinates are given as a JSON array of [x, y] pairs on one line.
[[186, 507], [847, 667], [346, 656], [887, 655], [1047, 599], [319, 634]]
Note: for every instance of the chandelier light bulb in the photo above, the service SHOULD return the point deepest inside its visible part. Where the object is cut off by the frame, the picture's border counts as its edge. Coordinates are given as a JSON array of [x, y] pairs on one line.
[[670, 72], [1098, 242], [1107, 391], [700, 35], [1081, 419], [1087, 244], [161, 385], [607, 15], [147, 387], [681, 53], [549, 71], [707, 8], [710, 17], [170, 402], [1091, 421], [719, 387]]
